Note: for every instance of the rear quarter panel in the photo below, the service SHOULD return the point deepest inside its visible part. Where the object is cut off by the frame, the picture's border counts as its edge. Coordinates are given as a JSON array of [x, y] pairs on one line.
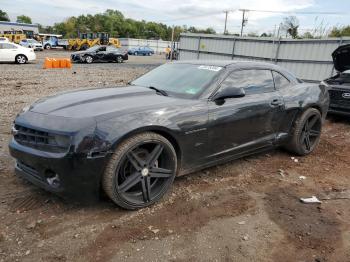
[[299, 97]]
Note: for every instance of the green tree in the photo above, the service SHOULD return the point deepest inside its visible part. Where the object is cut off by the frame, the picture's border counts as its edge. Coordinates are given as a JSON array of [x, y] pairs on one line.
[[24, 19], [308, 35], [290, 25], [4, 16], [114, 23], [340, 31]]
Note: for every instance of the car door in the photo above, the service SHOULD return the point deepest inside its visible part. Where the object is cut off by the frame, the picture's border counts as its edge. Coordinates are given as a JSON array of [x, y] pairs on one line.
[[101, 54], [239, 125], [2, 52], [9, 52], [111, 53]]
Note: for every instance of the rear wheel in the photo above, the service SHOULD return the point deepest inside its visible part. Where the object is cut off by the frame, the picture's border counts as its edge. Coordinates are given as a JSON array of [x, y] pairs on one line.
[[140, 171], [306, 133], [21, 59]]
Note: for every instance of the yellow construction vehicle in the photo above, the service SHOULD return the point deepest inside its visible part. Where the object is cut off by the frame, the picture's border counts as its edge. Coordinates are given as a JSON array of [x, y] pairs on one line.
[[14, 36], [87, 40]]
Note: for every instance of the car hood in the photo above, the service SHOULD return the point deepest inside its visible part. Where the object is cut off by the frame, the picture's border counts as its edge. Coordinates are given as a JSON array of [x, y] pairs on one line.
[[101, 102], [341, 58]]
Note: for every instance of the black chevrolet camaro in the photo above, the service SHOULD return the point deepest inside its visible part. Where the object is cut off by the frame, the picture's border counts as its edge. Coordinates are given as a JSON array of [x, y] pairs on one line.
[[100, 53], [131, 142]]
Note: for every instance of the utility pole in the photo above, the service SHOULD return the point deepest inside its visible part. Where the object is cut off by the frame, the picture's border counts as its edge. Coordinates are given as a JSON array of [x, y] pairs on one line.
[[226, 14], [244, 19]]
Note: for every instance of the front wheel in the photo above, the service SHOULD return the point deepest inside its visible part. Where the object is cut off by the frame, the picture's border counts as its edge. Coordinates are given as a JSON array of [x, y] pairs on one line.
[[306, 132], [47, 47], [21, 59], [88, 59], [119, 59], [141, 170]]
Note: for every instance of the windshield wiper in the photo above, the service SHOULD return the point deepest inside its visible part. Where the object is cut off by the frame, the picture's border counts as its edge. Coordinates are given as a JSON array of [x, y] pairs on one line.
[[164, 93]]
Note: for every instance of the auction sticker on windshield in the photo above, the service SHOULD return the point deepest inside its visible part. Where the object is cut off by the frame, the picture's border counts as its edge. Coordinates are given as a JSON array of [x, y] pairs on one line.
[[211, 68]]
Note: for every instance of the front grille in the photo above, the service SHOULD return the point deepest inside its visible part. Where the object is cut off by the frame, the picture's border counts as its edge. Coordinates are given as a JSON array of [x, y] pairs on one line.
[[37, 139], [338, 94]]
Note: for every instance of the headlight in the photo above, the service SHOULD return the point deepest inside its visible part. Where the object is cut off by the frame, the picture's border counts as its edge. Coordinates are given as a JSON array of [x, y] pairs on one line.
[[60, 140]]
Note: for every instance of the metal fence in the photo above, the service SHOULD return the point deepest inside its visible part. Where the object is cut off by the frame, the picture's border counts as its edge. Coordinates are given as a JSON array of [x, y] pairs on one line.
[[308, 59], [158, 46]]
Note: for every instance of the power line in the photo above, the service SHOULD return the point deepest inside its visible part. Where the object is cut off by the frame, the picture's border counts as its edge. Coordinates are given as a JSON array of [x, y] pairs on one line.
[[294, 12]]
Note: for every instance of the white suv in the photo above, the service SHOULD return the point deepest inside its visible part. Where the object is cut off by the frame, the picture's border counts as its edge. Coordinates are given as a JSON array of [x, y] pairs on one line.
[[11, 52]]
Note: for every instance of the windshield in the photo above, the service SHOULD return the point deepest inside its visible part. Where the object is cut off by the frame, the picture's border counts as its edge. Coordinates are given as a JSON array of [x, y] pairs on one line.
[[94, 48], [184, 80]]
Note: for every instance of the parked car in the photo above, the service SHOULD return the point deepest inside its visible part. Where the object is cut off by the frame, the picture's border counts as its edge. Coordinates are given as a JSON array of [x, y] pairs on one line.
[[339, 85], [141, 50], [4, 40], [176, 119], [99, 53], [31, 43], [11, 52]]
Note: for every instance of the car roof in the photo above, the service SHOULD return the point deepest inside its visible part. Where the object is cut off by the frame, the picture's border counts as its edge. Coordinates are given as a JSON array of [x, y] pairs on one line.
[[225, 63], [234, 64]]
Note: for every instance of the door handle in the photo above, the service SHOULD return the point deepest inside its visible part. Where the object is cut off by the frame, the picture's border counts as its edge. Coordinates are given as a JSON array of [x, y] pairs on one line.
[[276, 102]]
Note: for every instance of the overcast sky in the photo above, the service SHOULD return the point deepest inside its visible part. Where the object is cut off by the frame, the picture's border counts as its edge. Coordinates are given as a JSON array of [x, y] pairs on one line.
[[178, 12]]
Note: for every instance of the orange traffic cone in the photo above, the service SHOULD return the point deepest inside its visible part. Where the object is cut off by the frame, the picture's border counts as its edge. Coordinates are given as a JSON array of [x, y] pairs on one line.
[[47, 63]]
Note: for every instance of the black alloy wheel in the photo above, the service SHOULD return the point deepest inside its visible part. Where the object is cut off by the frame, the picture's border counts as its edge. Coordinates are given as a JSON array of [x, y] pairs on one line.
[[306, 132], [141, 171], [119, 59], [311, 132]]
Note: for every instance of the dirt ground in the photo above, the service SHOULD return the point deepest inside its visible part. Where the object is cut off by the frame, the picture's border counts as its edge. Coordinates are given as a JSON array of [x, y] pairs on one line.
[[246, 210]]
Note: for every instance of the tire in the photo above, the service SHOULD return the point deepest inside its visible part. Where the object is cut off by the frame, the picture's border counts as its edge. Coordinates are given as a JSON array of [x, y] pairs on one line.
[[306, 132], [47, 46], [119, 59], [88, 59], [140, 171], [21, 59]]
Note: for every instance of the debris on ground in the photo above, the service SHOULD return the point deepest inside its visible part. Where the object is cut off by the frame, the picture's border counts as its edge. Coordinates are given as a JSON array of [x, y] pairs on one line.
[[302, 177], [245, 237], [294, 159], [281, 172], [310, 200], [154, 230]]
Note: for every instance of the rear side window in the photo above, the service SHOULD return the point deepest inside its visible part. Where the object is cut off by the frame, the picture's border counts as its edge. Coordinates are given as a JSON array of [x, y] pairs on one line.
[[280, 81], [8, 46], [253, 81]]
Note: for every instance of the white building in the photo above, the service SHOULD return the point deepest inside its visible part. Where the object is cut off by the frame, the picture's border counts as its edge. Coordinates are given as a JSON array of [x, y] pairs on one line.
[[21, 28]]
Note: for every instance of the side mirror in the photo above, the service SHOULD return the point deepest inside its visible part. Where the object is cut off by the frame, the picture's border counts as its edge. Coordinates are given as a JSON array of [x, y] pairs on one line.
[[229, 92]]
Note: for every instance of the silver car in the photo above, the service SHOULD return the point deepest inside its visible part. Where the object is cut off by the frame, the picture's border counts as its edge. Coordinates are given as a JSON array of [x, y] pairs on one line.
[[32, 43]]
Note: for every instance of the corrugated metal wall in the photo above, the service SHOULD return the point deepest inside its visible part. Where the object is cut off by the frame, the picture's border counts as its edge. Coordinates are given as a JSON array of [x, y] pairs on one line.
[[307, 59], [158, 46]]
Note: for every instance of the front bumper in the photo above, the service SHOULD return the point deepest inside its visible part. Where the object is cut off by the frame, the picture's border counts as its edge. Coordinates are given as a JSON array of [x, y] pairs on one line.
[[335, 109], [76, 58], [78, 176]]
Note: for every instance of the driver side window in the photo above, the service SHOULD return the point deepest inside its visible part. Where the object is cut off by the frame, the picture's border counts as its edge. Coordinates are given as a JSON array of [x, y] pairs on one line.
[[253, 81]]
